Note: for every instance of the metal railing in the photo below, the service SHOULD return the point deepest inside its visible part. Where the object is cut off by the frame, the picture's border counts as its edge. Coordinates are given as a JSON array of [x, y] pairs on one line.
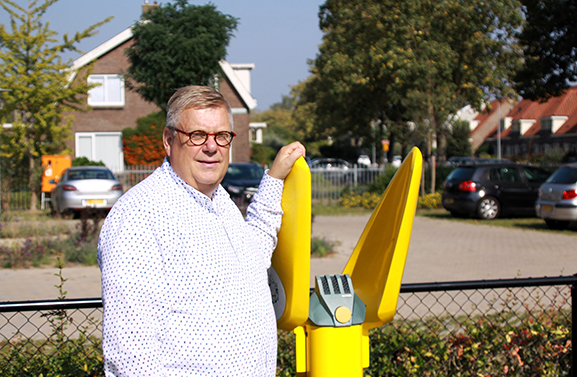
[[435, 323], [327, 184]]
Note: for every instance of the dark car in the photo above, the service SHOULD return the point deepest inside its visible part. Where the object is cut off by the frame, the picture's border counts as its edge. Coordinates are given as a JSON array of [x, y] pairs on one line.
[[241, 181], [491, 190]]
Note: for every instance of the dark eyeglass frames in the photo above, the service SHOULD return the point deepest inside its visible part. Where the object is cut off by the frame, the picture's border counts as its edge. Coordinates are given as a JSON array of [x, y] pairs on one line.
[[223, 138]]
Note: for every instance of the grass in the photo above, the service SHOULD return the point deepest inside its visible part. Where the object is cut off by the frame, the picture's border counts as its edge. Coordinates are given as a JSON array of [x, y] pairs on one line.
[[526, 223], [319, 209]]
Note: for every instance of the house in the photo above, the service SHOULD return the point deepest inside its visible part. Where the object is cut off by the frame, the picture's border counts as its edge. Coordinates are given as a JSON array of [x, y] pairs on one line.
[[532, 128], [97, 133], [485, 122]]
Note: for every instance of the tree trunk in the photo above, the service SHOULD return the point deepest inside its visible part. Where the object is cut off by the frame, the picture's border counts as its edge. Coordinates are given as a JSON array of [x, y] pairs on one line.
[[31, 184]]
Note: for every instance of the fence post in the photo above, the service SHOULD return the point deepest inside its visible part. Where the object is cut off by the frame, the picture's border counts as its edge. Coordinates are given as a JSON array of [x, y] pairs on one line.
[[573, 328]]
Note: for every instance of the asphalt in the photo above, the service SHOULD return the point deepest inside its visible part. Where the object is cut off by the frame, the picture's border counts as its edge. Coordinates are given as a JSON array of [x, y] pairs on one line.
[[440, 250]]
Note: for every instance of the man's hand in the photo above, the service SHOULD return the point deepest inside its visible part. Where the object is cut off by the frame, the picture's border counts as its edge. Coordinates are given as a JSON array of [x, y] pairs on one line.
[[285, 160]]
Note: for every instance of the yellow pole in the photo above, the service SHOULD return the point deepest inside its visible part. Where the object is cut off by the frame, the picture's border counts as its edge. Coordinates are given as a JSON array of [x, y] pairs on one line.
[[334, 351]]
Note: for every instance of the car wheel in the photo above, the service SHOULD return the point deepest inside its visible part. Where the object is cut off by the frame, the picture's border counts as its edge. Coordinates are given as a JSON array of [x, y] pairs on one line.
[[488, 208], [557, 224]]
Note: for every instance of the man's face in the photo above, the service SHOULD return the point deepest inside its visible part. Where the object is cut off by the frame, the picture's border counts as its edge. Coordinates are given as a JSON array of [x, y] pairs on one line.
[[204, 166]]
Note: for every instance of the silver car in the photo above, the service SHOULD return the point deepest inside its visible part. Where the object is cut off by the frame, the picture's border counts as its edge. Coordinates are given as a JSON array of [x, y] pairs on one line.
[[557, 202], [83, 187]]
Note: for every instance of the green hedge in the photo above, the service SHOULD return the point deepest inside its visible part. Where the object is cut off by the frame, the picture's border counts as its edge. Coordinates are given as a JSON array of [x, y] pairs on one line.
[[503, 344]]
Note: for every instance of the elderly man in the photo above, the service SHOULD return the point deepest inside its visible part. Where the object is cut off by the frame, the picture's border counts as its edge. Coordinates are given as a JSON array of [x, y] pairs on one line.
[[184, 275]]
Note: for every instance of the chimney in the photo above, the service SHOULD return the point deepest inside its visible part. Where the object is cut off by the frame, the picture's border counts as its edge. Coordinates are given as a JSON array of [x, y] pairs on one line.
[[148, 7]]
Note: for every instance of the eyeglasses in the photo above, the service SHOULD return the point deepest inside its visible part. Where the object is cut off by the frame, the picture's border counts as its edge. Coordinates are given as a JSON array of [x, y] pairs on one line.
[[223, 138]]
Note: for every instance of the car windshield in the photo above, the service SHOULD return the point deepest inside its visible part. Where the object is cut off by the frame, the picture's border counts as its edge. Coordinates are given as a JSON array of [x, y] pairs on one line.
[[564, 175], [253, 172], [77, 175], [461, 174]]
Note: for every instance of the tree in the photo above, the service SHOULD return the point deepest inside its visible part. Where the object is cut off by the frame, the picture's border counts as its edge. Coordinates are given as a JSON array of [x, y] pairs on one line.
[[36, 77], [549, 42], [416, 60], [176, 45], [458, 143]]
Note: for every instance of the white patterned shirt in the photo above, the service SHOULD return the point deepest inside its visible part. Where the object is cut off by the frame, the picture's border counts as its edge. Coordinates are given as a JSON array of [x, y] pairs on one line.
[[184, 281]]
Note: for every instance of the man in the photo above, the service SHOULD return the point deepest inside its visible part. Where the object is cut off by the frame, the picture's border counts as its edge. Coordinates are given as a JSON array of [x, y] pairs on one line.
[[184, 275]]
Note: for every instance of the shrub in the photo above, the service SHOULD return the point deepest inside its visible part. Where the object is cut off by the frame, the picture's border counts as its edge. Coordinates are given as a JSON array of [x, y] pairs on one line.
[[430, 201], [367, 200], [321, 247]]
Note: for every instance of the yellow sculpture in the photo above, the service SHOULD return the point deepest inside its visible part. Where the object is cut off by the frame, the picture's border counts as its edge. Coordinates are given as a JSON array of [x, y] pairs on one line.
[[333, 323]]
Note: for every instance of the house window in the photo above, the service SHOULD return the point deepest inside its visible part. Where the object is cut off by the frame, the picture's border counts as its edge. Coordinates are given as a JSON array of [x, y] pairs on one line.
[[101, 146], [110, 92]]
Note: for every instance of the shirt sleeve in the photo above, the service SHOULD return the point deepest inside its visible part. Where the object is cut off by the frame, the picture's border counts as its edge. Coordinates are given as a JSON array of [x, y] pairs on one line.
[[132, 295], [264, 214]]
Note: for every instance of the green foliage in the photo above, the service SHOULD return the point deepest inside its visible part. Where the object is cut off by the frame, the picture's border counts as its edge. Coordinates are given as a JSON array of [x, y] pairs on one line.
[[490, 345], [71, 247], [430, 201], [321, 247], [385, 63], [177, 45], [458, 143], [368, 200], [548, 42], [380, 184], [262, 154], [39, 92], [84, 161]]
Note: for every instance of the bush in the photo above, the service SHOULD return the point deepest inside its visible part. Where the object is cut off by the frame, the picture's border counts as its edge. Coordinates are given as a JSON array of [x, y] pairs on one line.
[[83, 161], [321, 247], [430, 201], [489, 345], [366, 200], [380, 184]]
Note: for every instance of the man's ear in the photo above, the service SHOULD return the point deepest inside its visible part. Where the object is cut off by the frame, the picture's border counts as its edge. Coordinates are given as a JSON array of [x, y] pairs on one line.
[[167, 139]]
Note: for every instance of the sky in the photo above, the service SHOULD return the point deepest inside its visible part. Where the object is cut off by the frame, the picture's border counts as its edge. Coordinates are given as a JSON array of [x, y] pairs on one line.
[[278, 37]]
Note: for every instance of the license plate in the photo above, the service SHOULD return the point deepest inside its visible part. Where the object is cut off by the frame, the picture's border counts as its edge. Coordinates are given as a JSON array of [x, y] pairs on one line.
[[93, 203], [449, 200], [546, 207]]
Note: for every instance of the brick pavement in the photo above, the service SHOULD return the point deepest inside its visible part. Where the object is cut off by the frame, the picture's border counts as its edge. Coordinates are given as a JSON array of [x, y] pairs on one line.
[[440, 250]]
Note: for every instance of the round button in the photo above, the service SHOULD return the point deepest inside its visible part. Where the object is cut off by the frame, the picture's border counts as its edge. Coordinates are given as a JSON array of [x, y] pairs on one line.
[[343, 314]]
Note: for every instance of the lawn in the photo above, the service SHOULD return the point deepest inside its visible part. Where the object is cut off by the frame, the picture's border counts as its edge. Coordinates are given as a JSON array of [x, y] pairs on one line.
[[533, 223]]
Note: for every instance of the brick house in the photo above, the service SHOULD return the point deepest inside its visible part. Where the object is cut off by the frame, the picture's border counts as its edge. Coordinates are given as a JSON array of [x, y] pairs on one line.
[[97, 133], [533, 127]]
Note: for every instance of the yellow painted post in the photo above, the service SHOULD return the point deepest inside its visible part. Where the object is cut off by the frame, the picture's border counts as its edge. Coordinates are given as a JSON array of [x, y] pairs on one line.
[[334, 351]]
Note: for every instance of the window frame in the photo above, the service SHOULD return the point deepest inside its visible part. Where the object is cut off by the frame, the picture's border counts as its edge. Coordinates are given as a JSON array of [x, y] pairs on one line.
[[105, 87]]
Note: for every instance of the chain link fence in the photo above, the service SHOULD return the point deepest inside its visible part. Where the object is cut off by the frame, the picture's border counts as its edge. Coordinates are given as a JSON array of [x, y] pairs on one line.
[[494, 327]]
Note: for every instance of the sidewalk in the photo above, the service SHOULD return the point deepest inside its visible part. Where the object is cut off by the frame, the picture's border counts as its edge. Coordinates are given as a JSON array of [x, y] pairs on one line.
[[440, 250]]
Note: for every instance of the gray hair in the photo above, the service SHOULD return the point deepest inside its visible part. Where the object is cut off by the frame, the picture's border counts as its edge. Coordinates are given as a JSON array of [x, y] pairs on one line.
[[194, 97]]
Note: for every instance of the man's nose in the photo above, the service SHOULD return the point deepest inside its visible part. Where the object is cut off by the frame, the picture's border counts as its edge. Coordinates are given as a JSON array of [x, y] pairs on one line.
[[210, 145]]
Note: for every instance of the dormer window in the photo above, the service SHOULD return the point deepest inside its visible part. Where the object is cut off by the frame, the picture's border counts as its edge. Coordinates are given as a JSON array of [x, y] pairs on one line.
[[110, 92], [553, 123]]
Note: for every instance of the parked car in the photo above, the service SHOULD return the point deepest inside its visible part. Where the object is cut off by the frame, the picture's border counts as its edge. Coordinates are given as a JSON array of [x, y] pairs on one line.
[[83, 187], [557, 202], [329, 164], [364, 161], [335, 170], [491, 190], [456, 161], [241, 181]]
